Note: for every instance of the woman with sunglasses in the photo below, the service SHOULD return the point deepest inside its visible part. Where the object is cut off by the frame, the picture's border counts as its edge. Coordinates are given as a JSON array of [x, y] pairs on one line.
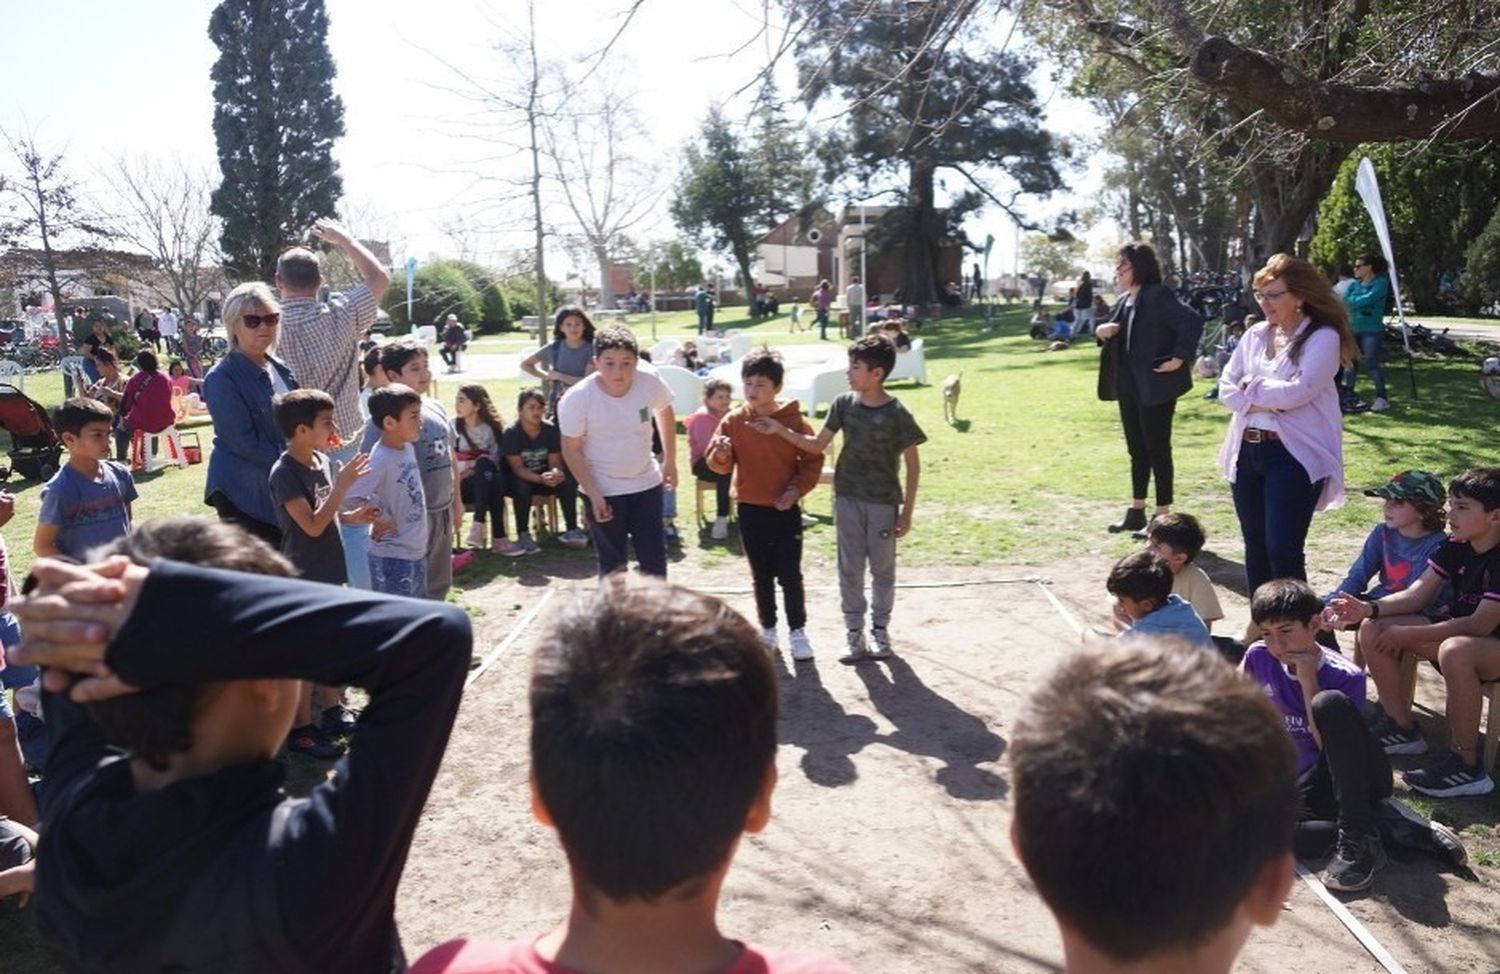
[[1366, 299], [1147, 347], [239, 390], [1284, 453]]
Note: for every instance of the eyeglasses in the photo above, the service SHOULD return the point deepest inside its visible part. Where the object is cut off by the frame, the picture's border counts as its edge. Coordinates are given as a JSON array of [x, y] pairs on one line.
[[255, 321], [1264, 296]]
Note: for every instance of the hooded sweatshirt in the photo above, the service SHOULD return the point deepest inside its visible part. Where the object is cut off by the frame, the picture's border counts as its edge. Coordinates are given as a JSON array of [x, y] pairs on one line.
[[764, 465], [223, 872]]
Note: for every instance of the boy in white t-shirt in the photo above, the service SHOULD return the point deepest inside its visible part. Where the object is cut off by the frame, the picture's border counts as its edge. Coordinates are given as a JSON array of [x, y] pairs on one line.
[[605, 420]]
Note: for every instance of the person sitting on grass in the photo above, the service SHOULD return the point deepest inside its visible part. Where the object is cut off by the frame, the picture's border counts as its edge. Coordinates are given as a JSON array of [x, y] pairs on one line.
[[533, 450], [1343, 775], [87, 502], [701, 427], [1041, 322], [1466, 647], [1154, 796], [170, 842], [1179, 539], [653, 750], [1145, 605]]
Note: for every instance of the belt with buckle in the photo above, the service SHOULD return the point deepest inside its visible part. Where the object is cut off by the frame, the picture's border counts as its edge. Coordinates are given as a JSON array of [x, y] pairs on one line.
[[1260, 436]]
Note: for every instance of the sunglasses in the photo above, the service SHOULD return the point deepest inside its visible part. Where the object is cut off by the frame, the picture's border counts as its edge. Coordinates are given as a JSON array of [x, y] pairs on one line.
[[255, 321]]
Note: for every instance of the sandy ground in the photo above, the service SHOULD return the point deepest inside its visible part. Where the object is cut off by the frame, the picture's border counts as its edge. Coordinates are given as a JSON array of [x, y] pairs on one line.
[[889, 844]]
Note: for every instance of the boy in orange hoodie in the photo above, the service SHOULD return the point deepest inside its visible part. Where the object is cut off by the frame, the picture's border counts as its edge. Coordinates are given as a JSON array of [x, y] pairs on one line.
[[770, 476]]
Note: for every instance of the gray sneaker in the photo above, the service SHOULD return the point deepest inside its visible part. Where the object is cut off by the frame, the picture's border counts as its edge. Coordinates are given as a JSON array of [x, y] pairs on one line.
[[882, 639], [573, 539], [528, 545], [855, 650]]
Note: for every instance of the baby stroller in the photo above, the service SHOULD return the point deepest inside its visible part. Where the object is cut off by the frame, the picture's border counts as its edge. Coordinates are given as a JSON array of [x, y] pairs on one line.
[[35, 448]]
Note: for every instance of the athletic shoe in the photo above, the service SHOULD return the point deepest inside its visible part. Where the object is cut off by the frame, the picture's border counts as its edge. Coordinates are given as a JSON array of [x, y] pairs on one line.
[[475, 537], [801, 648], [461, 560], [310, 741], [1395, 739], [573, 539], [770, 638], [808, 521], [1379, 405], [527, 545], [720, 530], [1449, 777], [669, 534], [337, 719], [1353, 865], [1401, 825], [508, 548], [855, 650], [882, 638]]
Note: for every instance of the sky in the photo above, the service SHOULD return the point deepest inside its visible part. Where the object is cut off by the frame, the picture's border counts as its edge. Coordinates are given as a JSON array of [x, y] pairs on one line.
[[417, 167]]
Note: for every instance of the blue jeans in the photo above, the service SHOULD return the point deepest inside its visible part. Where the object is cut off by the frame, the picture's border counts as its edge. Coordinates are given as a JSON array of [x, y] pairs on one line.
[[636, 519], [1274, 500], [355, 537], [398, 576], [1369, 356]]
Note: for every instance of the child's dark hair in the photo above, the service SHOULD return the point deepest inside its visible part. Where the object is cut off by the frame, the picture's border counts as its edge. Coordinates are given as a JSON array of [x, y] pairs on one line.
[[145, 360], [1482, 484], [572, 311], [389, 402], [876, 352], [653, 730], [712, 387], [371, 360], [300, 407], [1135, 755], [78, 412], [487, 413], [764, 362], [157, 722], [395, 355], [526, 395], [1141, 576], [1284, 600], [105, 357], [1434, 516], [616, 336], [1180, 532], [175, 363]]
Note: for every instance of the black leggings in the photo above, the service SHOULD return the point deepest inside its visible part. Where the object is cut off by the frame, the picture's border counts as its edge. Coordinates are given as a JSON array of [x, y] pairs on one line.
[[772, 541], [229, 514], [1352, 774], [523, 491], [485, 489], [721, 482], [1148, 437]]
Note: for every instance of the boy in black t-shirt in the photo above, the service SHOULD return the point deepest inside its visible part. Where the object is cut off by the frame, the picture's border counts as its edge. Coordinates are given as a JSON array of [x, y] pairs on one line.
[[1465, 647]]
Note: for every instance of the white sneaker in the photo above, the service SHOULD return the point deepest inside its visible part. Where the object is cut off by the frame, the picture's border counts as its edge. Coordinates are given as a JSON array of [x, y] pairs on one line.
[[720, 529], [1379, 405], [475, 537], [881, 637], [769, 638], [801, 648], [855, 650]]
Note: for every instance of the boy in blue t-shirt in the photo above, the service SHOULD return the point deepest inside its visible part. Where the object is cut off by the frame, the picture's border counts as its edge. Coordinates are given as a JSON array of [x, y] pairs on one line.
[[87, 503], [1144, 604]]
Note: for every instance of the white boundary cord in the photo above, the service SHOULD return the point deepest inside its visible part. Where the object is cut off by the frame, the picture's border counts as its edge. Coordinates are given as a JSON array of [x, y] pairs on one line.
[[510, 637], [961, 583], [1366, 939]]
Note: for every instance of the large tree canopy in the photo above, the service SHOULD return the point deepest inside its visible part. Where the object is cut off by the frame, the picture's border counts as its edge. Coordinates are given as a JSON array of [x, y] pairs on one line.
[[275, 120]]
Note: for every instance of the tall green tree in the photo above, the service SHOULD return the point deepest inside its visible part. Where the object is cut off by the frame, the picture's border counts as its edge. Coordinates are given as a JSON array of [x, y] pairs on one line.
[[928, 97], [275, 121]]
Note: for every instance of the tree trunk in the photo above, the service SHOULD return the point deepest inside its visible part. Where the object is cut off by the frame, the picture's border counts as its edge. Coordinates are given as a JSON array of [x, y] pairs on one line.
[[1285, 196], [919, 279], [606, 293], [742, 261]]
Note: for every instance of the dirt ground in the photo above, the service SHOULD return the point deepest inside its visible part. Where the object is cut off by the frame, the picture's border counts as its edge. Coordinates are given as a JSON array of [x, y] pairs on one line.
[[889, 843]]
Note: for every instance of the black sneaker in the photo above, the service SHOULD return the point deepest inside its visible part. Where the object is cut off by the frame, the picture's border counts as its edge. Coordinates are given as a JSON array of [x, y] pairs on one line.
[[1401, 825], [1395, 739], [337, 719], [310, 741], [1353, 865], [1449, 777]]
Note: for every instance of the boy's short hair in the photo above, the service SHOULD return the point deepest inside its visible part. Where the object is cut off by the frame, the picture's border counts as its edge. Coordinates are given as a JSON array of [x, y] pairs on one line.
[[1482, 484], [389, 402], [764, 362], [1284, 600], [876, 352], [371, 360], [76, 413], [653, 728], [105, 357], [299, 268], [616, 336], [1141, 576], [1136, 760], [532, 392], [712, 387], [1180, 532], [300, 407], [157, 722], [394, 356]]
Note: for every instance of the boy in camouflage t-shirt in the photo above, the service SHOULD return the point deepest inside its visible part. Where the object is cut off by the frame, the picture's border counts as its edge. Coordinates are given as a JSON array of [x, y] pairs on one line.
[[870, 508]]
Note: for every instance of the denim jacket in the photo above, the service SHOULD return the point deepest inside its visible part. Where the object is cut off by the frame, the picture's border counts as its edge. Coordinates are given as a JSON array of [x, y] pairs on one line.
[[246, 440]]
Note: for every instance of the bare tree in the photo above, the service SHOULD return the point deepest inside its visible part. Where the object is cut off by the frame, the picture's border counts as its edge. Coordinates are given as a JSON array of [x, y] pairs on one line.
[[164, 212]]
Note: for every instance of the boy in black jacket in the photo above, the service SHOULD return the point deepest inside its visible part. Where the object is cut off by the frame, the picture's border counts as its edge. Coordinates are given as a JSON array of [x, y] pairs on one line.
[[182, 853]]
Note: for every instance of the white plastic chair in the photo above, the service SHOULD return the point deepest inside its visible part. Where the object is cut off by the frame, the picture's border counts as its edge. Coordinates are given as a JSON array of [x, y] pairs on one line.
[[9, 369], [739, 346], [73, 365], [911, 364], [662, 351], [827, 386], [687, 388]]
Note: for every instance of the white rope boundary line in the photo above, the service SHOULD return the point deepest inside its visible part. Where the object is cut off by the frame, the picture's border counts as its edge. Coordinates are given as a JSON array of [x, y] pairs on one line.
[[1349, 920], [511, 637], [960, 583]]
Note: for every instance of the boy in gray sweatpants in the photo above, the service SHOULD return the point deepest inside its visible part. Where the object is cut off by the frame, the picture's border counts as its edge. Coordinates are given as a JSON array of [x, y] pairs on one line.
[[870, 508]]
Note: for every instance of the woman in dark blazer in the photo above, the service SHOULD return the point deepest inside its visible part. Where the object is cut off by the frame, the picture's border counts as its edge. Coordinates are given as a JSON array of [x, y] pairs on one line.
[[1147, 345]]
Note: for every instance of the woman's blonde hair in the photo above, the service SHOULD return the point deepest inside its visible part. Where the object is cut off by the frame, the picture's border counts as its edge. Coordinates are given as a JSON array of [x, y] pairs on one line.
[[1323, 308], [249, 298]]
